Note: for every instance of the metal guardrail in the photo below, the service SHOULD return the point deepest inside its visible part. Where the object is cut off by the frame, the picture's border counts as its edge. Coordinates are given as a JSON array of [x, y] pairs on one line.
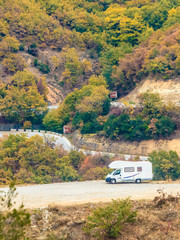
[[34, 131]]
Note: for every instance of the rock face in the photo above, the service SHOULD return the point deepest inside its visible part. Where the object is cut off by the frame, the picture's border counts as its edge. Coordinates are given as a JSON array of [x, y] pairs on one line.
[[142, 148]]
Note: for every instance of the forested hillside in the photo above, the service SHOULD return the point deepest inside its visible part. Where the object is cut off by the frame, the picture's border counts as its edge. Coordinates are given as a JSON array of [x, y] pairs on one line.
[[81, 51], [85, 49]]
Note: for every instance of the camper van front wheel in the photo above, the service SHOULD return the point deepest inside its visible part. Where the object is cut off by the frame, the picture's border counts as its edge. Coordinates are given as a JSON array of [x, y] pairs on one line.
[[138, 180], [113, 181]]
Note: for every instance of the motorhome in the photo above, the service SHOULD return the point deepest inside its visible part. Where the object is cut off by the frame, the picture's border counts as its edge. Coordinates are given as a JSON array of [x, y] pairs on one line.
[[130, 171]]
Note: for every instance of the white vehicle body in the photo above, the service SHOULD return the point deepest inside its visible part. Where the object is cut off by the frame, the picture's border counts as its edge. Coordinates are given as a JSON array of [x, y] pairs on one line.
[[129, 171]]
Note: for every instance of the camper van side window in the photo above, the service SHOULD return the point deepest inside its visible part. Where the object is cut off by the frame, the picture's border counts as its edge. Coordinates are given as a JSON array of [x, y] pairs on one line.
[[139, 169], [129, 169]]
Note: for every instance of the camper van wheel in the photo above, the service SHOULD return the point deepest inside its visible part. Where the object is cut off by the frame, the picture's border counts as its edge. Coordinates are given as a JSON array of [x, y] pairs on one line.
[[113, 181], [138, 180]]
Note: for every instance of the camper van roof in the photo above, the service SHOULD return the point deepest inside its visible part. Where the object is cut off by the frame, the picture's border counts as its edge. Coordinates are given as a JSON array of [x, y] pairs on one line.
[[121, 164]]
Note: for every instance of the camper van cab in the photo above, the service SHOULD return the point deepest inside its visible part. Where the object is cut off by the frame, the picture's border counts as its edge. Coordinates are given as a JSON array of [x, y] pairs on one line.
[[129, 171]]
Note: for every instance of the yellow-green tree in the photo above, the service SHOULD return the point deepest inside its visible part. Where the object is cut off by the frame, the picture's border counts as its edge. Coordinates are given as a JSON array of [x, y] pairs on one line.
[[8, 45], [13, 63], [19, 104], [94, 102], [3, 29], [121, 27], [73, 67]]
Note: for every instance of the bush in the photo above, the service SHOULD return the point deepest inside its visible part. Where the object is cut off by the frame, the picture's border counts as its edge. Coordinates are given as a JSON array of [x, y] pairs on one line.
[[76, 158], [97, 173], [32, 49], [27, 125], [109, 221], [13, 63], [67, 173], [165, 126], [13, 222], [21, 48], [91, 127], [44, 68]]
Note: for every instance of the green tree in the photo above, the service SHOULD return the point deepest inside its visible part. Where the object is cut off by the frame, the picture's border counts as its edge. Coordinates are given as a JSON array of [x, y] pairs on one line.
[[165, 165], [22, 101], [173, 17], [165, 127], [94, 102], [152, 105], [97, 81]]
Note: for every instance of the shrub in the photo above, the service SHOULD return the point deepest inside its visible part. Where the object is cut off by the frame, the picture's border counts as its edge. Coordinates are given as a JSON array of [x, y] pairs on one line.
[[76, 158], [13, 63], [27, 125], [13, 222], [91, 127], [97, 173], [67, 173], [44, 68], [137, 129], [32, 49], [21, 48], [109, 221], [165, 126], [35, 62]]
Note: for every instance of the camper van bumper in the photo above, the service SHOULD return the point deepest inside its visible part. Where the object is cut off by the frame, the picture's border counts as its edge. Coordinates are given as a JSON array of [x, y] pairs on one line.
[[108, 179]]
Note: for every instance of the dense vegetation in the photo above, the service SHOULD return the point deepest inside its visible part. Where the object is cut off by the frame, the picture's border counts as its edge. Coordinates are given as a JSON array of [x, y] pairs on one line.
[[35, 160], [24, 98], [105, 30], [153, 121], [38, 160]]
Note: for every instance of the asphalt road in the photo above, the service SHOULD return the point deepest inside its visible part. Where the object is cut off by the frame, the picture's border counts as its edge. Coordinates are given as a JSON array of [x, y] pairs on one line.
[[37, 196]]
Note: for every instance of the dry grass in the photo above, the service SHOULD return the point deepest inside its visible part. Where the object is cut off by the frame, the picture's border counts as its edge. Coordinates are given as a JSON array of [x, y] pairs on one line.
[[158, 219]]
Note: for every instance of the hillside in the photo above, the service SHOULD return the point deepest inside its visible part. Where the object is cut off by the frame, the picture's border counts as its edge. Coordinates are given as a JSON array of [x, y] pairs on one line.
[[75, 53]]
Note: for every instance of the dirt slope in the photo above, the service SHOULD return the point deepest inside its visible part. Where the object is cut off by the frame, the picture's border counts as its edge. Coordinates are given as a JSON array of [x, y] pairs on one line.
[[169, 90], [153, 222], [142, 148]]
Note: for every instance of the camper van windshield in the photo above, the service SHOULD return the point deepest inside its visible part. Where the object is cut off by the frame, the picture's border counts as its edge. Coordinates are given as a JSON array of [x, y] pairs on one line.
[[116, 172]]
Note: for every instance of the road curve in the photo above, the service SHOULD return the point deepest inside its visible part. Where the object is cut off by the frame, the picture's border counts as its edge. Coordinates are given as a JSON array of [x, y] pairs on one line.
[[59, 140], [37, 196], [66, 144]]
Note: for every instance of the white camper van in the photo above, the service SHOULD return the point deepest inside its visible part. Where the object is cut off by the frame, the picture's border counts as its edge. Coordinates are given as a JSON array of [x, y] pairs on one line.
[[129, 171]]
